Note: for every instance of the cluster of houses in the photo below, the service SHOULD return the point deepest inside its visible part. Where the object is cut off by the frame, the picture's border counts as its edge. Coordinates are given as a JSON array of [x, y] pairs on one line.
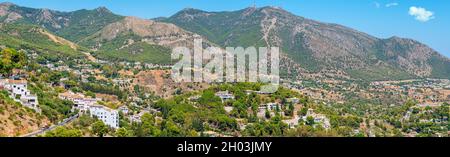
[[18, 90], [139, 65], [89, 105], [318, 118], [427, 91], [136, 118], [272, 108]]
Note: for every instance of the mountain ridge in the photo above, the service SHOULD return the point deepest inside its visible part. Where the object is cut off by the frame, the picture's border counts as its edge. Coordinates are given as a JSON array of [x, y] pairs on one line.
[[72, 25], [139, 37], [311, 44], [315, 45]]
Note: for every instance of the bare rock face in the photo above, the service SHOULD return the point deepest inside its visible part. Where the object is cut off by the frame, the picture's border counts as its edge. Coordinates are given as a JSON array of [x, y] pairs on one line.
[[149, 31], [11, 16], [152, 32], [4, 8], [141, 27]]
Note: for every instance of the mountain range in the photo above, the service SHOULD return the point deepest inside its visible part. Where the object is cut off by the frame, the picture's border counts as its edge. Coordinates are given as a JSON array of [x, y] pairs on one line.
[[310, 45]]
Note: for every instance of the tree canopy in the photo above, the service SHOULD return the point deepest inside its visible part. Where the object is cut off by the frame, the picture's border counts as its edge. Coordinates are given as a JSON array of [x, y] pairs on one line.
[[11, 59]]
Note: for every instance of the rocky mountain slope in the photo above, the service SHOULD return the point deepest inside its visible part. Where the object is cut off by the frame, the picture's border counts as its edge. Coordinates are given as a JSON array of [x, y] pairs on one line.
[[305, 43], [70, 25], [145, 40], [35, 39], [111, 36], [315, 45]]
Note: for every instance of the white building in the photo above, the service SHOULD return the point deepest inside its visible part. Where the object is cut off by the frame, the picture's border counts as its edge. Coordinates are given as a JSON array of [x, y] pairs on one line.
[[109, 116], [271, 106], [194, 98], [81, 103], [136, 118], [224, 95], [30, 101], [318, 118], [84, 105], [19, 92]]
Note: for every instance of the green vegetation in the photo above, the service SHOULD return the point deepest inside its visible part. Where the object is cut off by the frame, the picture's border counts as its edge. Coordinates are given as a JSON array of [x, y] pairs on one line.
[[138, 52], [104, 89], [99, 128], [31, 38], [11, 59], [182, 117], [224, 28], [380, 73], [441, 68], [63, 132], [316, 46], [120, 49], [84, 23], [382, 114], [52, 107], [74, 25], [123, 132]]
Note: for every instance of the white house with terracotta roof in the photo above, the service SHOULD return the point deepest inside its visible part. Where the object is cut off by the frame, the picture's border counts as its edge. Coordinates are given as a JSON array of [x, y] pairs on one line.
[[81, 103]]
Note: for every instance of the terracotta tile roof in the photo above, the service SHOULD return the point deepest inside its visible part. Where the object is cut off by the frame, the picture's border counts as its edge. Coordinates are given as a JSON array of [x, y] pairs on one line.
[[10, 81]]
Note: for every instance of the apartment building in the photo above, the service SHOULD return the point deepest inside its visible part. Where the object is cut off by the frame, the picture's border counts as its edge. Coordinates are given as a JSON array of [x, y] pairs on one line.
[[89, 105]]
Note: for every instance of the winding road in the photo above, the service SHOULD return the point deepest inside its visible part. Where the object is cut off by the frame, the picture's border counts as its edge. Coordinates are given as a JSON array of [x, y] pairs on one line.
[[43, 130]]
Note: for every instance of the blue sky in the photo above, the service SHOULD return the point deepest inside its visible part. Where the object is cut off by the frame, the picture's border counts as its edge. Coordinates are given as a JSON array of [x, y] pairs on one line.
[[427, 22]]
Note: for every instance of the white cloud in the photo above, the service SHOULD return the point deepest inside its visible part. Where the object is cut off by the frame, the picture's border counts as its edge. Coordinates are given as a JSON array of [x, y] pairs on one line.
[[391, 5], [421, 14]]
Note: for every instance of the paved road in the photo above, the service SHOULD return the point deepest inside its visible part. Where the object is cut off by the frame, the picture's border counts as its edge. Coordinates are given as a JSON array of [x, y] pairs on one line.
[[41, 131]]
